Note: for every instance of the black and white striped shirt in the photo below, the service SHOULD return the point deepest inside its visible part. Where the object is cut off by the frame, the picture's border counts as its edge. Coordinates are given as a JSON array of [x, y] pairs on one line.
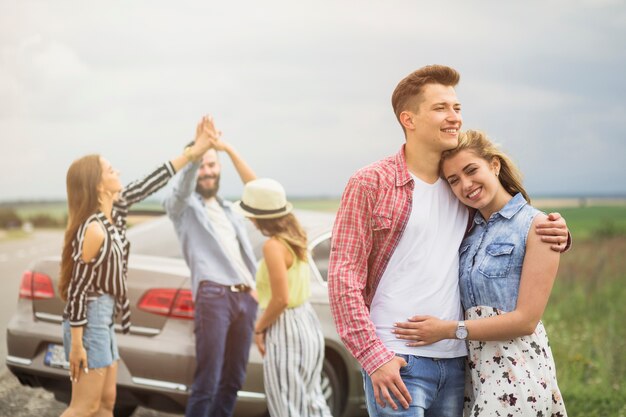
[[106, 273]]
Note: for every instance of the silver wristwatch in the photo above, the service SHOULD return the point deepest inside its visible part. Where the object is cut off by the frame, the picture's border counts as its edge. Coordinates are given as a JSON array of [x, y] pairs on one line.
[[461, 331]]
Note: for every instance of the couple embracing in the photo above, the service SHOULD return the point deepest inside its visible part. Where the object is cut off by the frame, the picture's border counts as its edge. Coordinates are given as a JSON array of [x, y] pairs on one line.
[[438, 263]]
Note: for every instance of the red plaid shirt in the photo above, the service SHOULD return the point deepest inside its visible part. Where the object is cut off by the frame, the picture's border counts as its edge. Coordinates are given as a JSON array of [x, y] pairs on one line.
[[375, 208]]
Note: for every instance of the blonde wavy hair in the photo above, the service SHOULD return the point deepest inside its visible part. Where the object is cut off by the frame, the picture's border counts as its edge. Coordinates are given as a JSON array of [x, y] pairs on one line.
[[477, 142], [288, 229]]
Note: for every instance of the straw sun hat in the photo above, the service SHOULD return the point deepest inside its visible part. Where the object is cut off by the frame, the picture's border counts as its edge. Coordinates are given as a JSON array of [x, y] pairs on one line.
[[263, 198]]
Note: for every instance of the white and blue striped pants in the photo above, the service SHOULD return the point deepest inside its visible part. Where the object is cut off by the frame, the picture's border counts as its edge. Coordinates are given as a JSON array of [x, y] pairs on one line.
[[292, 364]]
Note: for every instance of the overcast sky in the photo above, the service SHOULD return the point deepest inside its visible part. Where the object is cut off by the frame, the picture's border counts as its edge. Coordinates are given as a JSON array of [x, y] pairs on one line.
[[302, 88]]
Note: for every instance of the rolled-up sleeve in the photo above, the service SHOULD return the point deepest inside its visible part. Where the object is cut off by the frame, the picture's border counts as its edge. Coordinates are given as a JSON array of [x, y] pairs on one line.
[[347, 277], [176, 202]]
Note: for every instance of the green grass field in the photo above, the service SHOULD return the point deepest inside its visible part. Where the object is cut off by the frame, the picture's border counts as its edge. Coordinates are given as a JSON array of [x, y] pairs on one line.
[[58, 210], [330, 205], [13, 234], [28, 210], [586, 222], [584, 320], [583, 222]]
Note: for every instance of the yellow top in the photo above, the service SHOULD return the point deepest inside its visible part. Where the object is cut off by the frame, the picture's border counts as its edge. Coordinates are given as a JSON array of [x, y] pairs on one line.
[[298, 282]]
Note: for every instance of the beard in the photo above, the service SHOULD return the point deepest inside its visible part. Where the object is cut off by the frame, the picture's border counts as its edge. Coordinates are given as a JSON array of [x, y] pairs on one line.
[[211, 191]]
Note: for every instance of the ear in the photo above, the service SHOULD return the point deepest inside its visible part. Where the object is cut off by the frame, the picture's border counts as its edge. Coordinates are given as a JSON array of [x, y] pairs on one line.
[[406, 119], [496, 165]]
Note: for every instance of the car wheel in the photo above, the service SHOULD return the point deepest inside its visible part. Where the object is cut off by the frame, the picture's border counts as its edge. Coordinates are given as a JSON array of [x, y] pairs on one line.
[[333, 390], [124, 410]]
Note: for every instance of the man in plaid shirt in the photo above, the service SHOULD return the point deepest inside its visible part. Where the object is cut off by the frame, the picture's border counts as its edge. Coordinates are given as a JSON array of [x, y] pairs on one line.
[[395, 255]]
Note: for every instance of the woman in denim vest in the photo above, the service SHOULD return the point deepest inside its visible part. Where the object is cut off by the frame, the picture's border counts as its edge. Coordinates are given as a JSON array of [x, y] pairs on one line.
[[506, 275]]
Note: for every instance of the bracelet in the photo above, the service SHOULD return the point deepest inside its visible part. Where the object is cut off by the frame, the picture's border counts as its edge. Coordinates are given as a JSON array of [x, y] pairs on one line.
[[189, 154]]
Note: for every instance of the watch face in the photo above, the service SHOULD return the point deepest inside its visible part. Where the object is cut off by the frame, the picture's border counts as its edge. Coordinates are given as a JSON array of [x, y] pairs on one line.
[[461, 333]]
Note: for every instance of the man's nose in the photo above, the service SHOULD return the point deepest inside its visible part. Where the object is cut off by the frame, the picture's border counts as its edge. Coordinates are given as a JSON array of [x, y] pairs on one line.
[[454, 116]]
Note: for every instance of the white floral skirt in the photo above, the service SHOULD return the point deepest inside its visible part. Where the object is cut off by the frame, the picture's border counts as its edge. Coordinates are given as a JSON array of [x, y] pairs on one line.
[[511, 378]]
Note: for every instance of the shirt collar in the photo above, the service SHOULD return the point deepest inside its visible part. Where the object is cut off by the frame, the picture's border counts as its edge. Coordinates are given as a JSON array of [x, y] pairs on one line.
[[402, 172], [223, 203], [509, 210]]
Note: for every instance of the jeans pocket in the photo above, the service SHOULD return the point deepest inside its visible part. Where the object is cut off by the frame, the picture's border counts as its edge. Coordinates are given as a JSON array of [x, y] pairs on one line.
[[211, 291], [409, 359]]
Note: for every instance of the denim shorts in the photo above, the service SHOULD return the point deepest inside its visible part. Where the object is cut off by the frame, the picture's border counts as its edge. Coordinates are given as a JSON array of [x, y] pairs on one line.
[[98, 334]]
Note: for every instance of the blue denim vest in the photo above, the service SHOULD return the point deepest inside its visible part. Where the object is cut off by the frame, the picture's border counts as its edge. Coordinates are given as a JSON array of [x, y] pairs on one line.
[[492, 254]]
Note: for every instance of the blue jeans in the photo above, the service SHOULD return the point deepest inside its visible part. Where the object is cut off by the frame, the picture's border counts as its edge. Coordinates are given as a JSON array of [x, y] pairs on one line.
[[436, 387], [224, 322]]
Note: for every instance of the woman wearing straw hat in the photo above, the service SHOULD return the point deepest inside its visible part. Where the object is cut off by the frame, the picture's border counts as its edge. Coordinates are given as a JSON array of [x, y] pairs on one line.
[[288, 333]]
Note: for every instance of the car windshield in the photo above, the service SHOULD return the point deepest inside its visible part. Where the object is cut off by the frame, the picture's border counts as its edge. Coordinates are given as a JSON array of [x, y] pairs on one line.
[[157, 237]]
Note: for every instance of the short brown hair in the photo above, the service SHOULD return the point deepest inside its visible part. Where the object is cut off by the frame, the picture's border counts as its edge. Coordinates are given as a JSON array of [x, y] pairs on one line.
[[408, 91]]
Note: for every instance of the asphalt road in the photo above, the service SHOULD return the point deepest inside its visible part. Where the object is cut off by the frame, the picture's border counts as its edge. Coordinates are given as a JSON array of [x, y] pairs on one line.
[[15, 257]]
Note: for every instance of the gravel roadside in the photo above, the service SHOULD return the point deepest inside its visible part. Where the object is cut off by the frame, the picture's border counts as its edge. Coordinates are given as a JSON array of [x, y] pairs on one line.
[[19, 401]]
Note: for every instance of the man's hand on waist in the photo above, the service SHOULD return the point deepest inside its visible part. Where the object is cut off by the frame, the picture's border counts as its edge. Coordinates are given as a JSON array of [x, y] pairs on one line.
[[386, 381]]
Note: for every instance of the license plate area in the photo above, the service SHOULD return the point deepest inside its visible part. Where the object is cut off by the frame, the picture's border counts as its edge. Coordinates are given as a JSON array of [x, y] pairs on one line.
[[55, 357]]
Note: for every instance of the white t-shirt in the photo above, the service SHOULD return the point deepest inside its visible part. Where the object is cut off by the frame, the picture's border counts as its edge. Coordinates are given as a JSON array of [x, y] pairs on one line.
[[228, 239], [422, 277]]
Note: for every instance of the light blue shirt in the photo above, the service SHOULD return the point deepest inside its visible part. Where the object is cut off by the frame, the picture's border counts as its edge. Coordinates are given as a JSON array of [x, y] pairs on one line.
[[200, 244], [492, 254]]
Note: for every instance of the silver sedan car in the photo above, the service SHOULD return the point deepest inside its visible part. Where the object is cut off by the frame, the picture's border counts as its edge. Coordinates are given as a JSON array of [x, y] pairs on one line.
[[157, 356]]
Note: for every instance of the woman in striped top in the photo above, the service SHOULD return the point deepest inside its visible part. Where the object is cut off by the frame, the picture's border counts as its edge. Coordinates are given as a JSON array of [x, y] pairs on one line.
[[288, 333], [94, 265]]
